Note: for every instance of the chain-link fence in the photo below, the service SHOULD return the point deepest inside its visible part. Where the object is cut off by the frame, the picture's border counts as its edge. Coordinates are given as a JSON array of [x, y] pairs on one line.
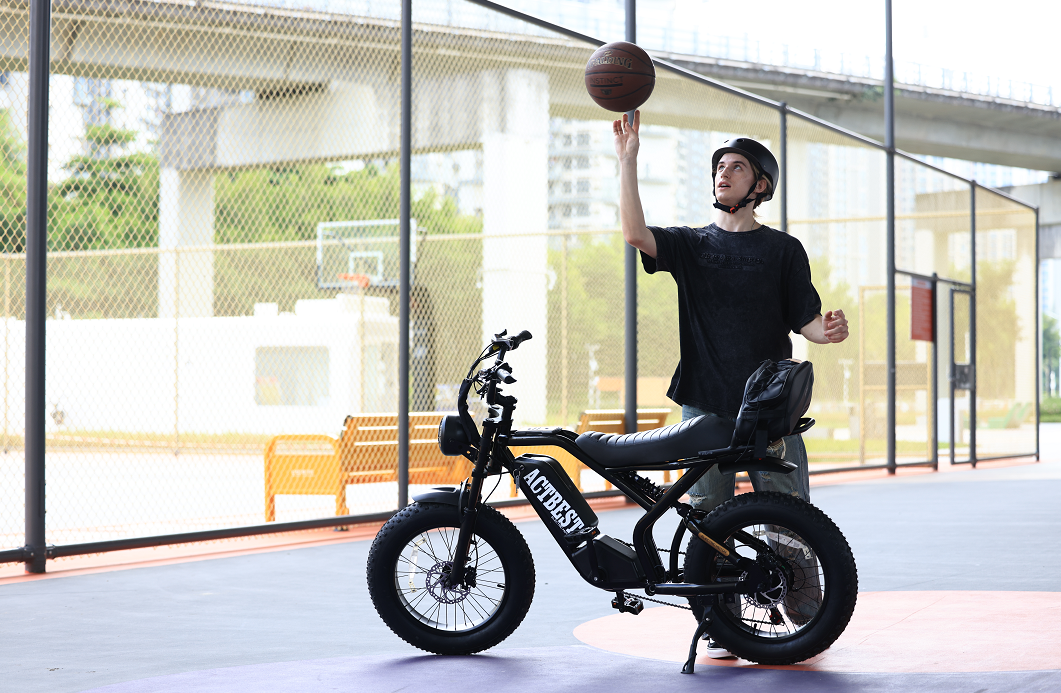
[[836, 202], [223, 259], [1006, 332]]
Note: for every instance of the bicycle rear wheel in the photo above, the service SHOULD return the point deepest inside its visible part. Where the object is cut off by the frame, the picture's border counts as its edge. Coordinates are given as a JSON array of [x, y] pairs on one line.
[[812, 585]]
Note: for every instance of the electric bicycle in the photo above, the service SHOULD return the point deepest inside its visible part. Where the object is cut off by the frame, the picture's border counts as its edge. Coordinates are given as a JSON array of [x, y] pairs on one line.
[[768, 576]]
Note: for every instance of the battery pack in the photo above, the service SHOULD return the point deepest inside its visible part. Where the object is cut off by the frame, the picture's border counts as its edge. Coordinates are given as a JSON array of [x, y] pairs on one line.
[[552, 493]]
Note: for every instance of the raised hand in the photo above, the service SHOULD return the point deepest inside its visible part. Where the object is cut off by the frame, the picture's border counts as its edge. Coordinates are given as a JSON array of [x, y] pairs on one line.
[[627, 141], [835, 326]]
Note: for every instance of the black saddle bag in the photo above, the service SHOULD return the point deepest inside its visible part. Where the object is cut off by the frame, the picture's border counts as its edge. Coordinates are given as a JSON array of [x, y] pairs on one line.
[[776, 396]]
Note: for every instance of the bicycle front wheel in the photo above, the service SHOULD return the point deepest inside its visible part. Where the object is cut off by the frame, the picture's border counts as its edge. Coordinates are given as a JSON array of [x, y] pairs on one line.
[[408, 568]]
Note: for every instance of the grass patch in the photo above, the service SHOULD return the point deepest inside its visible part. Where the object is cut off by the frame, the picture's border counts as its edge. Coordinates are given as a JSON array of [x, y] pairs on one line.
[[1050, 410]]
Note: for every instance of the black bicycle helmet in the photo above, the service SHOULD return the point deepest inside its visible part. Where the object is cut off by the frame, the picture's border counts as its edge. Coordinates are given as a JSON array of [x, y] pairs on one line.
[[759, 156]]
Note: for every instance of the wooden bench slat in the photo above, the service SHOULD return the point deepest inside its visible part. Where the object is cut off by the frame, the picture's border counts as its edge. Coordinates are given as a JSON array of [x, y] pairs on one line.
[[366, 452]]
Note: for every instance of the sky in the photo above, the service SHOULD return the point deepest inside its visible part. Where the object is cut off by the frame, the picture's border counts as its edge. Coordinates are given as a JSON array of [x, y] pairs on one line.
[[1015, 40], [963, 36]]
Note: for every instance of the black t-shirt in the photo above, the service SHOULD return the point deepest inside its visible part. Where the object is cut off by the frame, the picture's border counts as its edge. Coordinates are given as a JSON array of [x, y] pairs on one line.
[[739, 296]]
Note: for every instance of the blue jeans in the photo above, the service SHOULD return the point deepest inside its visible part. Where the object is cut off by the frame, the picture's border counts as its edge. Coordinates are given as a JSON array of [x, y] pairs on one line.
[[715, 488]]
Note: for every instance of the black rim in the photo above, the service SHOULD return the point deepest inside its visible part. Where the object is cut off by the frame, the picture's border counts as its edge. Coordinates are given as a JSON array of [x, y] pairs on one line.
[[797, 590], [419, 574]]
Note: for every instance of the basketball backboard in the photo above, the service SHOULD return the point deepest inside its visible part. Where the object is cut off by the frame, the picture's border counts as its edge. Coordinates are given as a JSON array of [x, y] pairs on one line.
[[361, 253]]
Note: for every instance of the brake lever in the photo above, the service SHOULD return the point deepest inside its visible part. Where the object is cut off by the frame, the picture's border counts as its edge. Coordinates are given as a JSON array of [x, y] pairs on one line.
[[501, 372], [499, 343]]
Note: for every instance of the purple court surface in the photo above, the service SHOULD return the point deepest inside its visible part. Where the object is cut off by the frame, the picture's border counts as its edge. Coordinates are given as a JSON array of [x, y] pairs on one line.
[[959, 591]]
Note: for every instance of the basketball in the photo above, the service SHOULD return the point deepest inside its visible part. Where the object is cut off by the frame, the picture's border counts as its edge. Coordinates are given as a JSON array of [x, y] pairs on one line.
[[620, 76]]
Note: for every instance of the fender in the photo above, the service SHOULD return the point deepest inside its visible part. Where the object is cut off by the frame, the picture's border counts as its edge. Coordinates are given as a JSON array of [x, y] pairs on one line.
[[764, 464], [440, 494]]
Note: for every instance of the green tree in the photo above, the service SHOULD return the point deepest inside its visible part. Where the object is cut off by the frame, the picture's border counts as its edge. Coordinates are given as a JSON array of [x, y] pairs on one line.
[[110, 199], [1051, 357], [12, 186], [829, 359], [997, 327], [595, 290]]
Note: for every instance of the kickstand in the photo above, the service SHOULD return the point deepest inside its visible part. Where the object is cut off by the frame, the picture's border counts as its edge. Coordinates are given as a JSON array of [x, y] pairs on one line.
[[690, 664]]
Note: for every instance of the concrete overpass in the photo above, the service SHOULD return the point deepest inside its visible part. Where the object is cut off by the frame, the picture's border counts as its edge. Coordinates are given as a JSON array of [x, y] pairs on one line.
[[284, 54], [314, 73], [935, 122]]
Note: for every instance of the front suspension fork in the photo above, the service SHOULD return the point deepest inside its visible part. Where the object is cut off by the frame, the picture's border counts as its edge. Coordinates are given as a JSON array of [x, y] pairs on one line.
[[469, 512]]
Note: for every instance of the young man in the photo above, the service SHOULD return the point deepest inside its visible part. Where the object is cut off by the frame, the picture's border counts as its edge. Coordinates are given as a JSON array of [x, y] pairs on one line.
[[742, 288]]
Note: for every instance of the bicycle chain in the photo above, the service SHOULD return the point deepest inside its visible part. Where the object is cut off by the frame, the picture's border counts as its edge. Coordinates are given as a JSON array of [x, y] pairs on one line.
[[657, 601]]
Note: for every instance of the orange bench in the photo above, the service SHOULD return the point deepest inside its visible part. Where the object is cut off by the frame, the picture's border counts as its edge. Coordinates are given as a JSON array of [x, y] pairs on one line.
[[365, 453], [605, 421]]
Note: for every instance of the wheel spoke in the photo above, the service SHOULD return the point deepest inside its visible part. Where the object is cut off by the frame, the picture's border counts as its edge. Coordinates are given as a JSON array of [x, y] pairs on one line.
[[796, 567], [420, 577]]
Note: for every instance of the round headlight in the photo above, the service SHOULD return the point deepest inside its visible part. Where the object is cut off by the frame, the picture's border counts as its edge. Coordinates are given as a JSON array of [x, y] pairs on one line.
[[452, 438]]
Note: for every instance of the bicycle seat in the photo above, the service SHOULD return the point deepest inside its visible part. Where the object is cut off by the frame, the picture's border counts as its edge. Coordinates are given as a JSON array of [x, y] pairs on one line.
[[666, 444]]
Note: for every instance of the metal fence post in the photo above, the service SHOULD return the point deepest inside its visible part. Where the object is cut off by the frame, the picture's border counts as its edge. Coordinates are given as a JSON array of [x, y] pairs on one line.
[[783, 165], [630, 350], [177, 350], [36, 278], [889, 143], [972, 326], [951, 370], [564, 360], [404, 246], [934, 390], [1038, 338]]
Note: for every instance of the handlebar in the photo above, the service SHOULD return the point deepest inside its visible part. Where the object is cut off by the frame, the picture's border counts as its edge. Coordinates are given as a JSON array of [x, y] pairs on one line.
[[499, 342], [500, 372]]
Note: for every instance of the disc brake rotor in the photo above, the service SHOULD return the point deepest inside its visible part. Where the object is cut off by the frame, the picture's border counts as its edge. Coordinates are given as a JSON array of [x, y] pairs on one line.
[[435, 582], [776, 592]]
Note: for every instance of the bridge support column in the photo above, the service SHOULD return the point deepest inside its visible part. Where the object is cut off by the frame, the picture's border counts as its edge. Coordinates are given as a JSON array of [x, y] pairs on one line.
[[516, 201], [186, 219]]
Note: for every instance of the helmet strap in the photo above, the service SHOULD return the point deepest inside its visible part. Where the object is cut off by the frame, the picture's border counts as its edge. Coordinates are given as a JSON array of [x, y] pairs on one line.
[[743, 203]]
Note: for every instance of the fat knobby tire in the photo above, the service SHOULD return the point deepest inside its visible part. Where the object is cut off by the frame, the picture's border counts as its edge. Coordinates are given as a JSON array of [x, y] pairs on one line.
[[491, 526], [834, 554]]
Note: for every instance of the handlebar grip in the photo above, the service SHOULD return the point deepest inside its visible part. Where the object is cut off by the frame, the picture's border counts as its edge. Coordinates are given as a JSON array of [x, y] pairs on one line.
[[520, 338]]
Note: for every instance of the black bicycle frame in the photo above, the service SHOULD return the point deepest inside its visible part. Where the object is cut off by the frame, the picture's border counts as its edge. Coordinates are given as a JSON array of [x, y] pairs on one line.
[[491, 454], [658, 580]]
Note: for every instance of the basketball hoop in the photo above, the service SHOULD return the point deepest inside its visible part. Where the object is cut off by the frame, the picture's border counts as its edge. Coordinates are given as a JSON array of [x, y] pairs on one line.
[[363, 253], [361, 280]]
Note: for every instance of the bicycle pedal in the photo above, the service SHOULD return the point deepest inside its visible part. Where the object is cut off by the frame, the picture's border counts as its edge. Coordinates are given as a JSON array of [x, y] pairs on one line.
[[628, 605], [586, 534]]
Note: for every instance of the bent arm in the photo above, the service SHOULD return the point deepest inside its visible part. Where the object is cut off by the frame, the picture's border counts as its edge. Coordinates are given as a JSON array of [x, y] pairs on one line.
[[830, 329], [814, 331]]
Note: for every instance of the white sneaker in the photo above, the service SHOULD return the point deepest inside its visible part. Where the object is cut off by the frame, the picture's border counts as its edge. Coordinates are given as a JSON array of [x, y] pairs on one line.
[[716, 651]]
